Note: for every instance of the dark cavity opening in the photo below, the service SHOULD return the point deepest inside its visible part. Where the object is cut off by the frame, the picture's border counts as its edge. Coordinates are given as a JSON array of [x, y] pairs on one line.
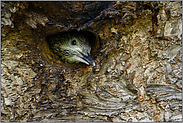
[[92, 38]]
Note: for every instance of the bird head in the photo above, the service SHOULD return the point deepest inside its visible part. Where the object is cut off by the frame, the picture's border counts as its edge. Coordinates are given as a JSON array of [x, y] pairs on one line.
[[72, 48]]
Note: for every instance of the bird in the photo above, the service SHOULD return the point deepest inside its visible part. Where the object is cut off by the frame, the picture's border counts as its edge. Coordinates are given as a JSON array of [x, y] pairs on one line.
[[71, 47]]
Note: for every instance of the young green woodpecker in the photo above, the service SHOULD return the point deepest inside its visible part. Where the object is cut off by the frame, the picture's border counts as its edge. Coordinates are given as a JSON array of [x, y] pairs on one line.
[[73, 48]]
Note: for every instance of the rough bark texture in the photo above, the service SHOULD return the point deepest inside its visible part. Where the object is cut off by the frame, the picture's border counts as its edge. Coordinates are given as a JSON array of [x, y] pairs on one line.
[[136, 47]]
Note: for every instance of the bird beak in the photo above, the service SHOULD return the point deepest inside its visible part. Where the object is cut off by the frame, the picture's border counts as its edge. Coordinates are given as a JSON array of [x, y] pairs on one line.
[[87, 58]]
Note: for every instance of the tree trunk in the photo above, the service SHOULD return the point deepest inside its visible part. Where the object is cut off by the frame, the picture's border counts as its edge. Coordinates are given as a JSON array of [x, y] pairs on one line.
[[136, 47]]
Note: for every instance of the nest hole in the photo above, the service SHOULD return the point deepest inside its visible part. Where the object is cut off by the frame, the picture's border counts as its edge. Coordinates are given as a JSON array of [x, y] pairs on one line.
[[55, 60]]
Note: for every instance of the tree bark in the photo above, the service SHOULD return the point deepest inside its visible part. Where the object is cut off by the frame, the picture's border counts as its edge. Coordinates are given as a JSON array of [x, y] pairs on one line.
[[136, 47]]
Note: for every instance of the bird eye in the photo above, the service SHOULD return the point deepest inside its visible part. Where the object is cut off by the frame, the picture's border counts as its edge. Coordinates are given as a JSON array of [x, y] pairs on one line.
[[73, 42]]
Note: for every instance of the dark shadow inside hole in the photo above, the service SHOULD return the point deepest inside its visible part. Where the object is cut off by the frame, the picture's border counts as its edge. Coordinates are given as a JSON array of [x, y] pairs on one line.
[[92, 38]]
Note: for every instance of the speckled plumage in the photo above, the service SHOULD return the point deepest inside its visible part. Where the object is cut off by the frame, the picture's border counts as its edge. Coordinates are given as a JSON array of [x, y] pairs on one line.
[[73, 48]]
